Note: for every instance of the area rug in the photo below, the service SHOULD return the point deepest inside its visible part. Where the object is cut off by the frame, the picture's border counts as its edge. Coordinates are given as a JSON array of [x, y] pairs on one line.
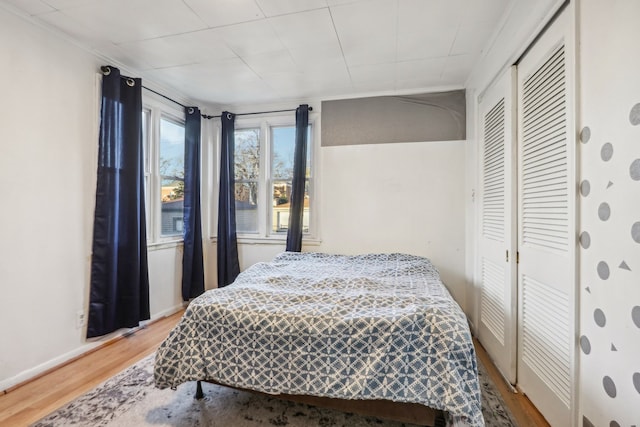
[[130, 399]]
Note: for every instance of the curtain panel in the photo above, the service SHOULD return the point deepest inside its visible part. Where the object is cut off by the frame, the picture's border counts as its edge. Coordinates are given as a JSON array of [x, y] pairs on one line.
[[227, 243], [192, 263], [296, 209], [119, 293]]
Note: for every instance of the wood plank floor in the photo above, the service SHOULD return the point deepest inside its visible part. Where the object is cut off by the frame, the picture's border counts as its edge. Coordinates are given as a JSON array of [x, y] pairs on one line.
[[33, 400]]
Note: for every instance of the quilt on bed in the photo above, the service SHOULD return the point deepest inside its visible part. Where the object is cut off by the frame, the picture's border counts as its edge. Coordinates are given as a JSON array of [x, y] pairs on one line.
[[379, 326]]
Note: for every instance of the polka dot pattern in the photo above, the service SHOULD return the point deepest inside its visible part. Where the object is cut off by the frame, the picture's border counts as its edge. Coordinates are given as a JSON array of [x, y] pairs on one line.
[[634, 170], [603, 270], [635, 232], [604, 211], [635, 315], [614, 424], [585, 188], [585, 134], [606, 152], [634, 115], [636, 381], [585, 344], [585, 240], [599, 317], [609, 387]]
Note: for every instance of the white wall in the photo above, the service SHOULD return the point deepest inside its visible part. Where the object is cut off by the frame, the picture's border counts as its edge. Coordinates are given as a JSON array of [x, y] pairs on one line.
[[48, 157], [610, 249], [401, 197]]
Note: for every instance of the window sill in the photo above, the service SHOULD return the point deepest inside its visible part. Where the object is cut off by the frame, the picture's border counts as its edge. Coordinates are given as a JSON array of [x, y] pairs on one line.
[[168, 244], [273, 240]]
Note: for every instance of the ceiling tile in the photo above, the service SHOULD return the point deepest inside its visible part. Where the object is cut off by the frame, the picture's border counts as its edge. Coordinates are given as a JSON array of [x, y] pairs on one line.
[[433, 67], [305, 29], [457, 68], [319, 56], [371, 40], [250, 38], [417, 16], [472, 37], [66, 4], [367, 74], [234, 78], [217, 13], [79, 31], [123, 57], [270, 63], [31, 7], [283, 7], [428, 44], [485, 10], [136, 19], [182, 49]]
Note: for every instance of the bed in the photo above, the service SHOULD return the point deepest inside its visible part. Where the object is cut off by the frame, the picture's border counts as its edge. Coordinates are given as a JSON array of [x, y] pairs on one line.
[[358, 328]]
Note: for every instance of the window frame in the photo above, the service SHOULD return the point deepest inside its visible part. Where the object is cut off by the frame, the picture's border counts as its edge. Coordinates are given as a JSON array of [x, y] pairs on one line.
[[157, 110], [265, 233]]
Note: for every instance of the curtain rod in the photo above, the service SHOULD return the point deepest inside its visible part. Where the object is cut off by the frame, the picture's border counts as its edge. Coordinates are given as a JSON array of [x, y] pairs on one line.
[[106, 70]]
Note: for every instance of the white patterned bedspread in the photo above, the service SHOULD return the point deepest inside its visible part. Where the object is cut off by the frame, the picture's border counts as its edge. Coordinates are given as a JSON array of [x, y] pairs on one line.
[[377, 326]]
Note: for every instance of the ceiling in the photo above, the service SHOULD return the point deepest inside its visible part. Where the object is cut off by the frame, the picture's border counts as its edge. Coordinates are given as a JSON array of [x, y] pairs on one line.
[[235, 52]]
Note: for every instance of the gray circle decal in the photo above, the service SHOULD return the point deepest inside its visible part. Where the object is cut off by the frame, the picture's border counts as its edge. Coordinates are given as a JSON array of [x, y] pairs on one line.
[[585, 240], [598, 316], [606, 152], [609, 386], [585, 134], [634, 115], [604, 211], [635, 232], [585, 344], [634, 170], [603, 270], [614, 424], [636, 381], [635, 315], [585, 188]]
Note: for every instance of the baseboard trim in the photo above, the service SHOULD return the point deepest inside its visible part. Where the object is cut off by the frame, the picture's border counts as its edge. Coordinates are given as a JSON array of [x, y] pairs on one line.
[[10, 384]]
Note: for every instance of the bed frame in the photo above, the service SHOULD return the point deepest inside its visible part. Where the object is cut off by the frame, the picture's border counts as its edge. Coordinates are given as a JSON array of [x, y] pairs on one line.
[[412, 413]]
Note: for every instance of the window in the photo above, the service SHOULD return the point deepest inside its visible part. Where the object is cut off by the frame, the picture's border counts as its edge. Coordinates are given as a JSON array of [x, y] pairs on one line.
[[283, 149], [247, 175], [171, 171], [264, 153], [163, 136]]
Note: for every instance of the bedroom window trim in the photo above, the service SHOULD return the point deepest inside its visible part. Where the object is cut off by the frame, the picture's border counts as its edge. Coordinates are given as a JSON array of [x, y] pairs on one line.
[[156, 111], [265, 234]]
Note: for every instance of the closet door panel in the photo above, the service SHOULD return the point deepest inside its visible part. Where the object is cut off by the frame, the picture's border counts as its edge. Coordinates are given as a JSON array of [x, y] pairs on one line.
[[496, 261], [546, 224]]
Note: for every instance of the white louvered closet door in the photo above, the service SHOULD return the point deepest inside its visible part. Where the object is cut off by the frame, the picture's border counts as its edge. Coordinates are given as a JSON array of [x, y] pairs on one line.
[[546, 224], [496, 262]]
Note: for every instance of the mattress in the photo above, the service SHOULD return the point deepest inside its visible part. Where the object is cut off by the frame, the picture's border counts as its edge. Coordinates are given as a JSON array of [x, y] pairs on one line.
[[368, 327]]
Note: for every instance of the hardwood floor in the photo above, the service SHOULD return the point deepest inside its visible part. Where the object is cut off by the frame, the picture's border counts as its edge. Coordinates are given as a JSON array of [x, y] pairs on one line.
[[33, 400]]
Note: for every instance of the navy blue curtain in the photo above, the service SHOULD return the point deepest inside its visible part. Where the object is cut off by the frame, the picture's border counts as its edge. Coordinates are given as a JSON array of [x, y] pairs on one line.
[[227, 244], [192, 264], [119, 295], [296, 208]]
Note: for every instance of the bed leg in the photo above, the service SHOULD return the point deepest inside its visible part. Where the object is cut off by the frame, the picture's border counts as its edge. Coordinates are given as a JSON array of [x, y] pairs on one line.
[[199, 394]]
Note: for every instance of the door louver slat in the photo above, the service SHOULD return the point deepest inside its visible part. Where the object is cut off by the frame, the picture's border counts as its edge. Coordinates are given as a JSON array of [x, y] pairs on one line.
[[544, 164], [493, 181]]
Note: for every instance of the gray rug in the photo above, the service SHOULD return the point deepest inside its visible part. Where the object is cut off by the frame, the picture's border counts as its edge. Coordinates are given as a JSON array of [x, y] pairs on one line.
[[130, 400]]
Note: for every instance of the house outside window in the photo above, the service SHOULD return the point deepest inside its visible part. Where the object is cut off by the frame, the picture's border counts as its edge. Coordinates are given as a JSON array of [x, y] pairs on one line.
[[163, 137], [263, 170]]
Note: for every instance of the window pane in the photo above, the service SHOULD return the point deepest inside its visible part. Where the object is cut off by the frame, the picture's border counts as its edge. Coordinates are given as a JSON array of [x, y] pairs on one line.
[[283, 146], [171, 176], [247, 172]]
